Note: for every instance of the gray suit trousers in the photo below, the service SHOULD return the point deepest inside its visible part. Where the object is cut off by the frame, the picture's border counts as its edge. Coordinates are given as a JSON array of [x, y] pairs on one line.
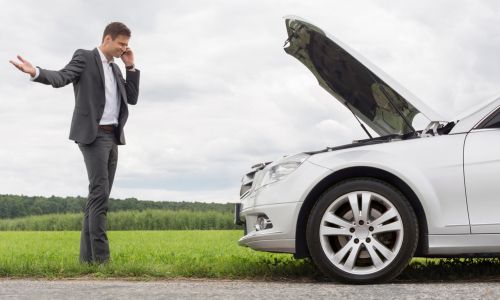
[[101, 157]]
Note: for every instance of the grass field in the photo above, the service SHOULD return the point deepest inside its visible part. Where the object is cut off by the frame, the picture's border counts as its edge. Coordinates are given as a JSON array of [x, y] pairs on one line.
[[167, 254], [149, 219], [195, 254]]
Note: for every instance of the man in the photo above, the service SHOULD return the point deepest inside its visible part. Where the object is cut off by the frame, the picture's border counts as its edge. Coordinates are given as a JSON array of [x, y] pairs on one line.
[[100, 113]]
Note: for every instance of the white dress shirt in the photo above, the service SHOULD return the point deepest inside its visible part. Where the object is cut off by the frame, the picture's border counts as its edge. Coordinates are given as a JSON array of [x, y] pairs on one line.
[[112, 106]]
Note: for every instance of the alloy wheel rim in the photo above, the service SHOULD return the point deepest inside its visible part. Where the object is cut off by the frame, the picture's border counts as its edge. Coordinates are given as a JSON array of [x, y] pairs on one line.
[[361, 232]]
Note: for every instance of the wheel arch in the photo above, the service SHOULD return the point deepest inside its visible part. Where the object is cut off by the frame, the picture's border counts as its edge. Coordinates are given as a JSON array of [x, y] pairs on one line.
[[301, 248]]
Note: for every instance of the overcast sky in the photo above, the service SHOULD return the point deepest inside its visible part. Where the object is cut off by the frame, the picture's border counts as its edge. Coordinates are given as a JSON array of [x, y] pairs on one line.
[[218, 93]]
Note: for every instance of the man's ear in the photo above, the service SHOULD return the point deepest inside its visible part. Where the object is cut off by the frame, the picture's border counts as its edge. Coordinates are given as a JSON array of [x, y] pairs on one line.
[[107, 39]]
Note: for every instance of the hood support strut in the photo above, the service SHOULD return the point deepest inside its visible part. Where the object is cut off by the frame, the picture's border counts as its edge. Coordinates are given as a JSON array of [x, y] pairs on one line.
[[362, 125]]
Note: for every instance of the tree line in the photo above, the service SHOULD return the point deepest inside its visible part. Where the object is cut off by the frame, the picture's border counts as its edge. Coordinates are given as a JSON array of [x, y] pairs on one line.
[[15, 206]]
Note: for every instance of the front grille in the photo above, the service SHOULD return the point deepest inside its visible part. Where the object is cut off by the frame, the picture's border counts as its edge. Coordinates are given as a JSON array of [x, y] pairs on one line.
[[248, 180], [246, 183]]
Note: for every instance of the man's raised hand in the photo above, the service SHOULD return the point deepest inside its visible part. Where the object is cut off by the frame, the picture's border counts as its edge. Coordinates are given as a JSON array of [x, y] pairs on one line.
[[24, 66]]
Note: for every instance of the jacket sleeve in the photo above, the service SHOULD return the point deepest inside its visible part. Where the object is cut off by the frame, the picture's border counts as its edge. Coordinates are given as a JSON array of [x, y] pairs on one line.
[[132, 86], [70, 73]]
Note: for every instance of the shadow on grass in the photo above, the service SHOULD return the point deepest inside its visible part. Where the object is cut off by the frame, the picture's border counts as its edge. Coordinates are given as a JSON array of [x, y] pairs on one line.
[[452, 270], [427, 271], [275, 268]]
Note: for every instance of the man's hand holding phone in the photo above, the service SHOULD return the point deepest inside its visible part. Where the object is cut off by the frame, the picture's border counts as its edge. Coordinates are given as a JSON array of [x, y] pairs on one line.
[[128, 57]]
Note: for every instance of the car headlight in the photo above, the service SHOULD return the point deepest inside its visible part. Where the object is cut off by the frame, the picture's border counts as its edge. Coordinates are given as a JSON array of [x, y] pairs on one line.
[[282, 168]]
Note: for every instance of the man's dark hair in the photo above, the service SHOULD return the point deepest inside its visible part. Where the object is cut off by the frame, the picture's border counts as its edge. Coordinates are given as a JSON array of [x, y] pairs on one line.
[[115, 29]]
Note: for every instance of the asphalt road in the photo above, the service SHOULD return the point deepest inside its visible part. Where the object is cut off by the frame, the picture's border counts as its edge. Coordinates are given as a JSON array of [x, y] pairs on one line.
[[224, 289]]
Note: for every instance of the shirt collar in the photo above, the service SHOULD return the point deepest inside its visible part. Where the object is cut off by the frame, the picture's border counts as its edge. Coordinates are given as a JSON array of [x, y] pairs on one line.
[[103, 57]]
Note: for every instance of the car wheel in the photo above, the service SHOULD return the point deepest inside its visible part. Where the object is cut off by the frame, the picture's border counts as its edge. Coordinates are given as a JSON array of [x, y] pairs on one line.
[[362, 231]]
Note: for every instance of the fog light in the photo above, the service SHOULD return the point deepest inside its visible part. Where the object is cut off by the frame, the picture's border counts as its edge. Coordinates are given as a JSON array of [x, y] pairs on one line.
[[263, 222]]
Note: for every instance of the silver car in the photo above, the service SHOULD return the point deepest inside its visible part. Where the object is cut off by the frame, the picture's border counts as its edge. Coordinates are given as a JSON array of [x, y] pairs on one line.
[[423, 186]]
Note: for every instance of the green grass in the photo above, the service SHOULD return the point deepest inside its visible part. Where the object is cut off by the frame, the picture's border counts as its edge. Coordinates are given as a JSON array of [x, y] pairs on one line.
[[149, 219], [160, 254], [191, 254]]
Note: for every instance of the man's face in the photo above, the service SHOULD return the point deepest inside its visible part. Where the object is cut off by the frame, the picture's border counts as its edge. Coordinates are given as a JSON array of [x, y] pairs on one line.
[[117, 46]]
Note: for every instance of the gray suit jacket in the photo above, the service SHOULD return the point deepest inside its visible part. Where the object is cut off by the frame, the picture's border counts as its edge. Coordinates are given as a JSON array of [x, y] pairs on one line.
[[86, 73]]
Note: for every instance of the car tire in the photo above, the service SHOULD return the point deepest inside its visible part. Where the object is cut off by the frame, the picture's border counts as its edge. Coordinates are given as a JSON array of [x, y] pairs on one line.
[[362, 231]]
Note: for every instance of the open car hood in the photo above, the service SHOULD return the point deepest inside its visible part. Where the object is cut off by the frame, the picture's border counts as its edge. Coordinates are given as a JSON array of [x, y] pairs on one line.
[[371, 95]]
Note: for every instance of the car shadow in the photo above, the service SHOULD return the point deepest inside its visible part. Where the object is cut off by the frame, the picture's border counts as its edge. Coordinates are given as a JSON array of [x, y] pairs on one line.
[[451, 270], [438, 270]]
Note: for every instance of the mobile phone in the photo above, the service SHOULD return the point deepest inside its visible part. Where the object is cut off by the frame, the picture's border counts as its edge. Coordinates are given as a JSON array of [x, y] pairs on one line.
[[126, 50]]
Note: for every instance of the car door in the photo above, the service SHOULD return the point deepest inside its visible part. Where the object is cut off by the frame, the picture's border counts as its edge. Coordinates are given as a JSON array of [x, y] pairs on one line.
[[482, 174]]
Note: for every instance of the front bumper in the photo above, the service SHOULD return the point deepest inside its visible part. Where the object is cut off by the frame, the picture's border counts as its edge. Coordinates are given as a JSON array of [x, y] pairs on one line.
[[279, 238], [280, 202]]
